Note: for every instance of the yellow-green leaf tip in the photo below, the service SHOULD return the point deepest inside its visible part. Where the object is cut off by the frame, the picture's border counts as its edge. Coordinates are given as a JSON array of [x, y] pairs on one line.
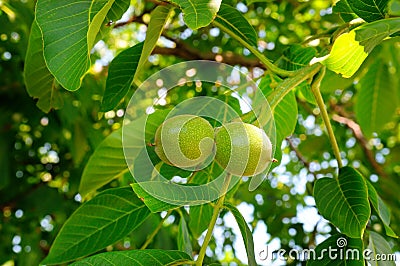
[[346, 55]]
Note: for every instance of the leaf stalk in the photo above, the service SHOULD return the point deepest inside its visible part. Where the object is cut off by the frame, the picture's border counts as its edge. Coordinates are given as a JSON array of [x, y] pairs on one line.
[[315, 88]]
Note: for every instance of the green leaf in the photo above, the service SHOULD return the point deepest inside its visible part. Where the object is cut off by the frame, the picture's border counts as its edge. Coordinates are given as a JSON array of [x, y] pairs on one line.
[[344, 10], [200, 217], [116, 11], [64, 26], [100, 222], [159, 18], [154, 204], [98, 13], [344, 201], [376, 98], [108, 160], [199, 13], [285, 112], [184, 243], [233, 20], [40, 83], [381, 209], [106, 163], [245, 231], [169, 171], [369, 10], [350, 49], [296, 57], [332, 82], [69, 31], [120, 76], [338, 250], [152, 257], [377, 248]]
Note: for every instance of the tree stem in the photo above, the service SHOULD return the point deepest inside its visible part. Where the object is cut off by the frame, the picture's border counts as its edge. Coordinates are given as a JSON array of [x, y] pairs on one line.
[[315, 88], [217, 208]]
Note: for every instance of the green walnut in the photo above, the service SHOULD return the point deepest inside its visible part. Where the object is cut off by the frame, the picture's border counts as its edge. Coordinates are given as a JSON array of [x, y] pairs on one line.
[[185, 141], [242, 149]]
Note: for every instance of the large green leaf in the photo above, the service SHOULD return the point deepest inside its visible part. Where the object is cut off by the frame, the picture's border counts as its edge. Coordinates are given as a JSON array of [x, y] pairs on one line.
[[100, 222], [369, 10], [184, 243], [106, 163], [154, 204], [344, 201], [344, 10], [235, 22], [40, 83], [381, 209], [120, 76], [198, 13], [64, 26], [69, 30], [378, 249], [376, 98], [153, 257], [350, 49], [246, 233], [159, 17], [116, 11], [285, 112], [296, 57], [337, 250], [108, 160], [200, 217]]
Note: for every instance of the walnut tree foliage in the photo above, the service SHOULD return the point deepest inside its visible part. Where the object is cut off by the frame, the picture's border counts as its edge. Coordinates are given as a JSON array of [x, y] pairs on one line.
[[329, 69]]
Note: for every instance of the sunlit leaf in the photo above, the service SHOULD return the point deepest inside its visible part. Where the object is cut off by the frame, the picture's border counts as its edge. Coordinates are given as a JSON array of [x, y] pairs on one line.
[[199, 13], [69, 30], [344, 201], [137, 258], [350, 49], [100, 222]]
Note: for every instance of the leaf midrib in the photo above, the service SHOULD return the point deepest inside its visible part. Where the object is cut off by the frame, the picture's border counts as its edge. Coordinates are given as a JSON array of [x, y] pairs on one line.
[[101, 228]]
